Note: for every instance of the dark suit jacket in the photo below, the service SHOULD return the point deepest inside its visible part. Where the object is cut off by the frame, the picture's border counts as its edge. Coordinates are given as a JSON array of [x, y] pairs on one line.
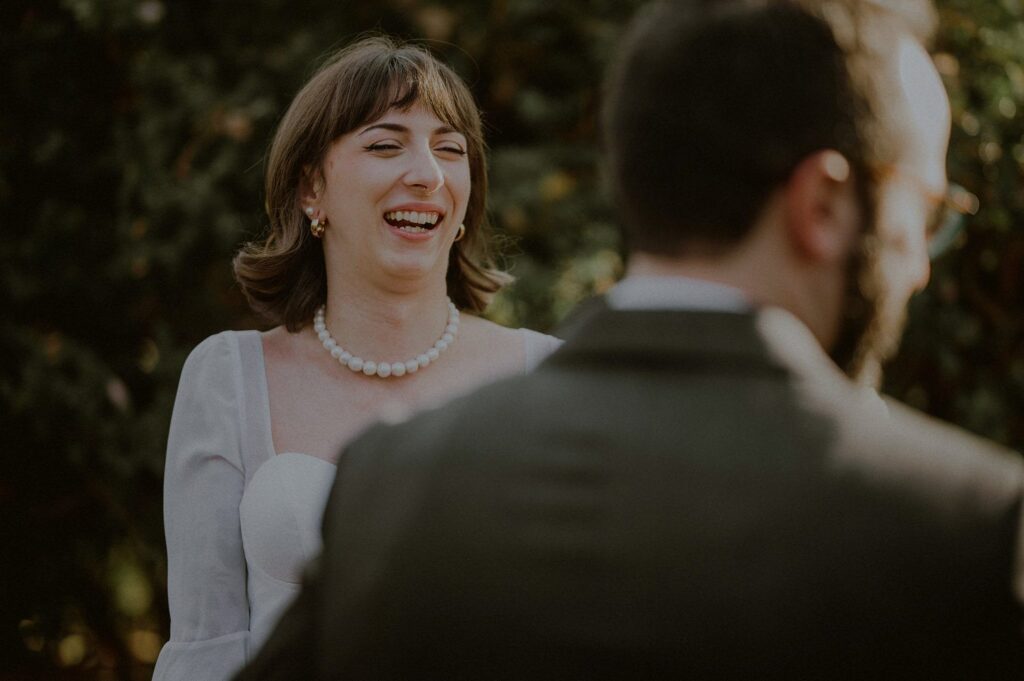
[[670, 495]]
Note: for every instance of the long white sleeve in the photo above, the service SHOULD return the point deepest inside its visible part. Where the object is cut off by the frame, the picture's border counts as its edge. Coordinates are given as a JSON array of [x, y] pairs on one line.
[[203, 484]]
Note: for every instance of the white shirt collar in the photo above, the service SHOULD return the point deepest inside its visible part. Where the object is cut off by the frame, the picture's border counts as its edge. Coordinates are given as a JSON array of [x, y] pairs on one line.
[[676, 293]]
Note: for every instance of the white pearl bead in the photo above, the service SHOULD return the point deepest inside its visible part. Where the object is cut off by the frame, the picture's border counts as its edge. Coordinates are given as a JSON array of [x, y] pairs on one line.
[[385, 369]]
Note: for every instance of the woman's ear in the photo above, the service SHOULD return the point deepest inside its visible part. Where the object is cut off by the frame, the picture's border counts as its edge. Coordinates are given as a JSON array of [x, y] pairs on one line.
[[310, 187], [821, 209]]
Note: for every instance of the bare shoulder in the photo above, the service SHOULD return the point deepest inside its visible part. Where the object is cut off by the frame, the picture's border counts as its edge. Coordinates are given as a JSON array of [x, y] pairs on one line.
[[493, 350], [276, 342], [494, 330], [496, 336], [486, 331], [515, 349], [281, 347]]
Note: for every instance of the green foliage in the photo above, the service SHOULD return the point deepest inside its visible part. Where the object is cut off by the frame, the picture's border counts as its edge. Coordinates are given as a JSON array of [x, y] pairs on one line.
[[131, 149]]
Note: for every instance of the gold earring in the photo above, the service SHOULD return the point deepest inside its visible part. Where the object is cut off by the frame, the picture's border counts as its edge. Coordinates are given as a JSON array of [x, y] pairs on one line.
[[461, 233], [317, 227]]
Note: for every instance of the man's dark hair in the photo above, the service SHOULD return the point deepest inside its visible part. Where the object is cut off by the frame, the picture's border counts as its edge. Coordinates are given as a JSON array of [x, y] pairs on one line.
[[713, 103]]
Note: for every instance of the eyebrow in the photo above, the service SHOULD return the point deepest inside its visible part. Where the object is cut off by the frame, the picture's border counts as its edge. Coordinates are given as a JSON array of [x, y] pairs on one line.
[[395, 127]]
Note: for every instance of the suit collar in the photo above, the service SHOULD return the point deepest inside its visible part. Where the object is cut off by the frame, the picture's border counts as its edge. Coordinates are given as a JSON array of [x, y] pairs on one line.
[[766, 339]]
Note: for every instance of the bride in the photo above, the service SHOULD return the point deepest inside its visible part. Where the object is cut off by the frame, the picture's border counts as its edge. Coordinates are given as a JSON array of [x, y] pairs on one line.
[[374, 269]]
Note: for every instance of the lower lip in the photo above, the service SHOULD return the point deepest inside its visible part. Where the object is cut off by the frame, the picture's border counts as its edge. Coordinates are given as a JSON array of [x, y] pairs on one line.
[[413, 236]]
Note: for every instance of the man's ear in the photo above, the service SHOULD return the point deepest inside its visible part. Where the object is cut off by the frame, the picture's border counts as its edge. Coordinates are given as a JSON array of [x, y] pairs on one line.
[[821, 211]]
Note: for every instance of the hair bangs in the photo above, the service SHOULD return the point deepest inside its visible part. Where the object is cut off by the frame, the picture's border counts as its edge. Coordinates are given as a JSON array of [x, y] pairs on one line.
[[399, 81]]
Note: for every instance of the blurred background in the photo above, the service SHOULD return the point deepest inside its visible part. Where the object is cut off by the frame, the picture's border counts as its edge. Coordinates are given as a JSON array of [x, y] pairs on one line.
[[132, 138]]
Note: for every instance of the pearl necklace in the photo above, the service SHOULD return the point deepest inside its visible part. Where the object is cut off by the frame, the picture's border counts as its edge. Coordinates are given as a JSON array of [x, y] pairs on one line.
[[386, 369]]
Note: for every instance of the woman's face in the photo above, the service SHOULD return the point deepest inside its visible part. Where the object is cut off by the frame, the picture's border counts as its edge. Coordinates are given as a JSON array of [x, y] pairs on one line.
[[394, 192]]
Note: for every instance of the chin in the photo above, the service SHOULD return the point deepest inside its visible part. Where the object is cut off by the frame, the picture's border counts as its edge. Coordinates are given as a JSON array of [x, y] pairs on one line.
[[413, 266]]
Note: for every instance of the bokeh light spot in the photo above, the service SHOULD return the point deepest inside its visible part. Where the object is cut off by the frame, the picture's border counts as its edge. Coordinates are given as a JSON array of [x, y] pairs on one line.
[[71, 650], [144, 645]]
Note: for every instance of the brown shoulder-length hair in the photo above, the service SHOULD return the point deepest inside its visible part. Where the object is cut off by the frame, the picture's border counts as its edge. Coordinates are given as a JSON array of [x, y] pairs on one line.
[[282, 274]]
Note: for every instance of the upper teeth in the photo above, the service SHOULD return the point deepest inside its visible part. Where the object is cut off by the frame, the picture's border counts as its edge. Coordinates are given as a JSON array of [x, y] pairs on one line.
[[413, 216]]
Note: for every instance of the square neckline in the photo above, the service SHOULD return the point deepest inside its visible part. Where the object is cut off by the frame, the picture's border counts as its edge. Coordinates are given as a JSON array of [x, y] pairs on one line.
[[256, 377]]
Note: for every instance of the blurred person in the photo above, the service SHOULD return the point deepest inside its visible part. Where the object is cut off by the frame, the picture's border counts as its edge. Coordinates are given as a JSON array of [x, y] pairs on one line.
[[376, 194], [696, 485]]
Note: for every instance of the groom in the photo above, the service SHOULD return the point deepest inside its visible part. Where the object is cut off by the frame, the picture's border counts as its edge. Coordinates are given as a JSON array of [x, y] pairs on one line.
[[699, 484]]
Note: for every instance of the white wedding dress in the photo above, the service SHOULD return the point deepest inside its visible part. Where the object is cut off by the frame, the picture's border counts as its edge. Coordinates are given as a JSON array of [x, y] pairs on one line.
[[241, 521]]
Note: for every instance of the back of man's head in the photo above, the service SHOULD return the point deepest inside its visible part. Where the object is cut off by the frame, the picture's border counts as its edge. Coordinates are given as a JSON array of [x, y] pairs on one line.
[[713, 103]]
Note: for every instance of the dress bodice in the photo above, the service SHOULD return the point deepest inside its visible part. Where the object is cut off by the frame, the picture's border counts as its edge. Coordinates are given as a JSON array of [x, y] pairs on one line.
[[280, 515]]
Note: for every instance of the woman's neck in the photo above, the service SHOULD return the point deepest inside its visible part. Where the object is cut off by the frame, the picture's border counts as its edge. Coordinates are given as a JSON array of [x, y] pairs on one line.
[[386, 325]]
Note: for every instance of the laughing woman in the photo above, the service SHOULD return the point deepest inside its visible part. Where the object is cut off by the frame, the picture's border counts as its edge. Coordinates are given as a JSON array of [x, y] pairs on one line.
[[374, 269]]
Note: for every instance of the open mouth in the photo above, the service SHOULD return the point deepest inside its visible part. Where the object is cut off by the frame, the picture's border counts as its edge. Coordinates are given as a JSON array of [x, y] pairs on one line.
[[413, 222]]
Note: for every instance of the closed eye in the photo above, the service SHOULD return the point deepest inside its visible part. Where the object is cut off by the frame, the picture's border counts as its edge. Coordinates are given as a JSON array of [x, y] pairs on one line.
[[382, 146], [452, 150]]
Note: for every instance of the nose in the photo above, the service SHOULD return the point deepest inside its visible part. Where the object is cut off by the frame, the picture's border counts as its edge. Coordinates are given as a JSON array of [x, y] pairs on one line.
[[919, 264], [424, 173]]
